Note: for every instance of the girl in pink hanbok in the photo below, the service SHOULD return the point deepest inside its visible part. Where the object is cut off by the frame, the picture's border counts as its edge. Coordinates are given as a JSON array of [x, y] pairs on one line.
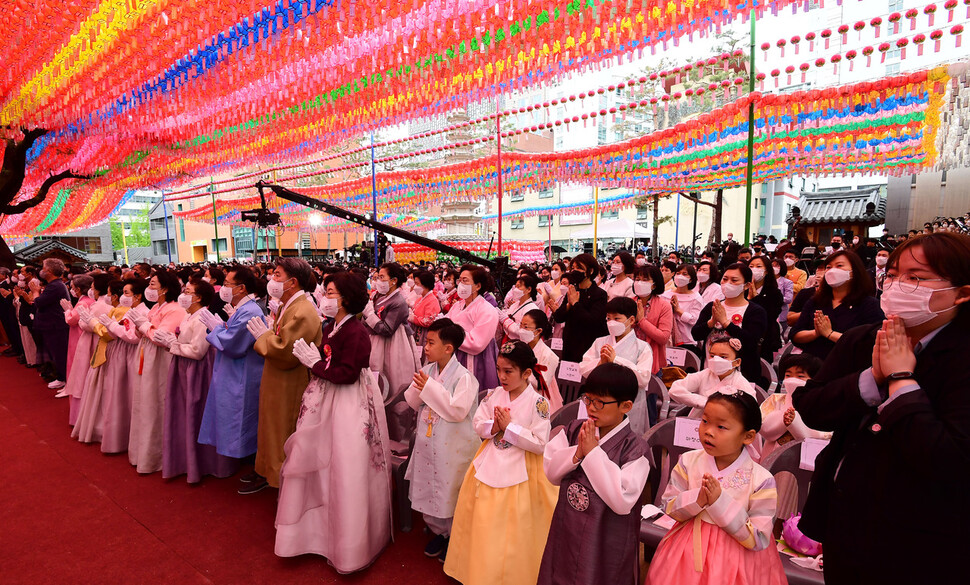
[[724, 504], [335, 483], [479, 319]]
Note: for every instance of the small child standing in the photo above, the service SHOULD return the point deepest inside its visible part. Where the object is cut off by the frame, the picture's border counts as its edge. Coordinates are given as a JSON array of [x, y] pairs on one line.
[[445, 395], [601, 464], [505, 504], [724, 504]]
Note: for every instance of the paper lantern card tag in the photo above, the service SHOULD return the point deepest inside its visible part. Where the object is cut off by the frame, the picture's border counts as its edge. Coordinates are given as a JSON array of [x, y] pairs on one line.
[[677, 356], [569, 371], [810, 450], [556, 343], [686, 433]]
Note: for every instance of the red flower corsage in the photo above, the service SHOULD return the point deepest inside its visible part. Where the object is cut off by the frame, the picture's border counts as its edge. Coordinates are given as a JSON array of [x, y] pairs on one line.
[[327, 351], [736, 319]]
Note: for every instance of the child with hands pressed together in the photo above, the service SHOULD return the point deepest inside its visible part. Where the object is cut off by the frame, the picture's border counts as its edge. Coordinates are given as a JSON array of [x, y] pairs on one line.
[[445, 395], [505, 503], [724, 504], [601, 467], [721, 374], [781, 423]]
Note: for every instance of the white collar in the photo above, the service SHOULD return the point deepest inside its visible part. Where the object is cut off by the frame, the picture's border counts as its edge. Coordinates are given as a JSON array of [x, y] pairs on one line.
[[624, 423], [730, 469], [244, 300]]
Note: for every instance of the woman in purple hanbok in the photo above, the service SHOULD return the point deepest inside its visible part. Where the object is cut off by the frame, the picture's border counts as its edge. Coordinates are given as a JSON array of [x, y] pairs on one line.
[[335, 484], [187, 390], [479, 319]]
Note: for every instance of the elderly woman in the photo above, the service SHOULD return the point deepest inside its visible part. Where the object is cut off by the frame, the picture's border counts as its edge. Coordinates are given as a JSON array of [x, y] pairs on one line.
[[895, 394]]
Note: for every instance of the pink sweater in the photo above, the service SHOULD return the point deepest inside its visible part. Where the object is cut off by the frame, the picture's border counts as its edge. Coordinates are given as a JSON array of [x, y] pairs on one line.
[[655, 328]]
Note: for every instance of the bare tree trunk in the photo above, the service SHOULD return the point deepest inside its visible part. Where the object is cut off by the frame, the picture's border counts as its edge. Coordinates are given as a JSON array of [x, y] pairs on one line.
[[6, 256], [715, 237], [656, 227]]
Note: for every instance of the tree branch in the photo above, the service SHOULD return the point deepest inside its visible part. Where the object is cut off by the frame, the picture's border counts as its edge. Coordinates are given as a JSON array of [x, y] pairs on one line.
[[696, 200], [41, 193]]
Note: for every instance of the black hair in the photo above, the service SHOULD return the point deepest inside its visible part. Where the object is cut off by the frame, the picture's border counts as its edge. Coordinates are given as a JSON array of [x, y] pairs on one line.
[[742, 268], [116, 287], [204, 290], [138, 286], [395, 271], [299, 270], [479, 277], [541, 321], [721, 337], [352, 288], [769, 282], [101, 281], [860, 285], [629, 263], [613, 380], [671, 266], [170, 283], [651, 272], [623, 306], [216, 276], [744, 405], [452, 274], [588, 262], [530, 282], [425, 279], [243, 276], [805, 361], [520, 354], [744, 251], [782, 267], [448, 332], [715, 274], [691, 274]]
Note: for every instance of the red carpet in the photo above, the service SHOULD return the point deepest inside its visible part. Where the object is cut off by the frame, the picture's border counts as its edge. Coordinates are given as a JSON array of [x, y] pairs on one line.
[[73, 515]]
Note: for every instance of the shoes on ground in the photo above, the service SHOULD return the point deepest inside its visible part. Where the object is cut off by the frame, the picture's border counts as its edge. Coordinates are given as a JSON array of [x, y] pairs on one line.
[[444, 552], [253, 487], [56, 385], [251, 477], [437, 544]]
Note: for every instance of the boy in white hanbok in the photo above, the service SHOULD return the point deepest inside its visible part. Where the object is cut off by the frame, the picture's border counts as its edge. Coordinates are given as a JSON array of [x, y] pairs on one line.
[[445, 395], [623, 347]]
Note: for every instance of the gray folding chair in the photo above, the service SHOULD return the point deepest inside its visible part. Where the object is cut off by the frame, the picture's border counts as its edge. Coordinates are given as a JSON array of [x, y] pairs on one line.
[[692, 363], [569, 391], [565, 415], [657, 388], [660, 439], [769, 373], [760, 394]]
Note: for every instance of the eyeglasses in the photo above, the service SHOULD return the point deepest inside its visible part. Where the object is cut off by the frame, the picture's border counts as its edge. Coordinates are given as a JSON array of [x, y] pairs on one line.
[[596, 403], [907, 282]]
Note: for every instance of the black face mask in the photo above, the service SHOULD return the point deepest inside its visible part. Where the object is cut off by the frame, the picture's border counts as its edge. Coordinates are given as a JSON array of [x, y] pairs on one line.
[[576, 277], [836, 245]]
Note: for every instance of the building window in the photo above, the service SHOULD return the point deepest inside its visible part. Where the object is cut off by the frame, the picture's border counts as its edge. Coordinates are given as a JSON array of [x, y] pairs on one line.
[[181, 230], [547, 194], [895, 6], [601, 133], [159, 248], [519, 196], [305, 241], [545, 220], [642, 213], [157, 224], [892, 69], [223, 245], [518, 224], [611, 214]]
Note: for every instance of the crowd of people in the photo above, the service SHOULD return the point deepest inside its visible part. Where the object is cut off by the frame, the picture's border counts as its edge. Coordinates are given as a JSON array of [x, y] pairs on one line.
[[310, 378]]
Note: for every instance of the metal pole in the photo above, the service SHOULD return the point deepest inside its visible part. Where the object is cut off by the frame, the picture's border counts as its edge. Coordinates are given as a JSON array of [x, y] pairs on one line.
[[255, 244], [168, 245], [749, 171], [373, 192], [677, 226], [215, 222], [596, 222], [693, 233], [550, 237], [124, 241], [498, 164]]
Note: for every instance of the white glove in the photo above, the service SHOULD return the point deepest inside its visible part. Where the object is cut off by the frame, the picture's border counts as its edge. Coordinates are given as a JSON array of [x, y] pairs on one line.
[[137, 317], [440, 316], [274, 306], [83, 313], [368, 309], [257, 327], [210, 321], [66, 305], [308, 354], [105, 320], [502, 315], [229, 309], [164, 338]]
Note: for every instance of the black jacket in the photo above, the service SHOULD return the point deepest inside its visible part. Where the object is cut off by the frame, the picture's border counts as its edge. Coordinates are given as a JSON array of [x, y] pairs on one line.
[[750, 332], [47, 305], [888, 497], [584, 322]]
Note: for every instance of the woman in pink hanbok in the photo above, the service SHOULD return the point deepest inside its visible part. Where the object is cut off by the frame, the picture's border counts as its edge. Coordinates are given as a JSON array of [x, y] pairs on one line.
[[86, 313], [426, 308], [335, 483], [479, 319]]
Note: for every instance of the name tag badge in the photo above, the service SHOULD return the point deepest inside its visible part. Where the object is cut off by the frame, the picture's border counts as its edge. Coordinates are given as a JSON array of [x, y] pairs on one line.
[[569, 371], [687, 433]]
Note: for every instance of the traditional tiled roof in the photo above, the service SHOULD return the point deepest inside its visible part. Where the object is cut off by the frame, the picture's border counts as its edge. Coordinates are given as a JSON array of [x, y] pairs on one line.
[[45, 247], [842, 207]]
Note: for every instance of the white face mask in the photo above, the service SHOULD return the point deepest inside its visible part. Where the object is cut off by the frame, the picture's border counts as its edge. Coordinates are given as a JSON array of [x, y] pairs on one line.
[[151, 295], [776, 270], [516, 293], [448, 284], [719, 365], [791, 384], [556, 274], [616, 268], [758, 274], [329, 307], [881, 261], [418, 289], [125, 300], [703, 277], [641, 261], [681, 280], [527, 335], [616, 328], [912, 307], [92, 294], [790, 262], [275, 289], [642, 288], [274, 306], [185, 301], [225, 293], [382, 286], [206, 279], [464, 290], [731, 290], [837, 276]]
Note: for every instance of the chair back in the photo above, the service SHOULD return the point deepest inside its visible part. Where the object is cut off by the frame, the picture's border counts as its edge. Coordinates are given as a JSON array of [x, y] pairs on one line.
[[660, 439], [565, 415], [793, 482], [760, 394], [692, 363], [768, 372], [569, 391], [657, 388]]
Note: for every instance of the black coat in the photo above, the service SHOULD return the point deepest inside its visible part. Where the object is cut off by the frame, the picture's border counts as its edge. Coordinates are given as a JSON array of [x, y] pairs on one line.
[[888, 497], [47, 305], [750, 332], [584, 322], [772, 302]]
